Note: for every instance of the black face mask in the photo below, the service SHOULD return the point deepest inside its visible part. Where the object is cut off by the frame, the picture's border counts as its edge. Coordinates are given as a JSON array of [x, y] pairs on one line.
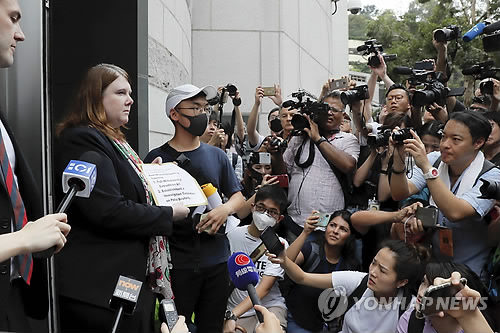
[[256, 176], [197, 124], [276, 125]]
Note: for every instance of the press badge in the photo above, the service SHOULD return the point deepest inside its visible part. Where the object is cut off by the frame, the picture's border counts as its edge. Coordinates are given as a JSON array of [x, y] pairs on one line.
[[446, 241]]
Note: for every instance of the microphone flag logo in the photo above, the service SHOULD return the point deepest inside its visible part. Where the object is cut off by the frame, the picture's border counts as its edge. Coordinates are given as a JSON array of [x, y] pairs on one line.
[[242, 260]]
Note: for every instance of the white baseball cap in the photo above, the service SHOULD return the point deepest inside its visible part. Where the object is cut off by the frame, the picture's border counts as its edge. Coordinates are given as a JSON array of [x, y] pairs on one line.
[[186, 91]]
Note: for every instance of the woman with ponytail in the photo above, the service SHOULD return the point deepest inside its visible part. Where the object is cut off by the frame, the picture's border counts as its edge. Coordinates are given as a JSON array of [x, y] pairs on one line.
[[378, 297]]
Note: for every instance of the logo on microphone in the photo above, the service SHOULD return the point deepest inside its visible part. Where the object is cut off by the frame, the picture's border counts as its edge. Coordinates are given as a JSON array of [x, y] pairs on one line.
[[241, 260], [79, 167]]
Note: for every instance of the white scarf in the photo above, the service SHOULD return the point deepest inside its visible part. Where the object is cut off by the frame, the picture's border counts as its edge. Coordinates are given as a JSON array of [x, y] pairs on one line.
[[469, 176]]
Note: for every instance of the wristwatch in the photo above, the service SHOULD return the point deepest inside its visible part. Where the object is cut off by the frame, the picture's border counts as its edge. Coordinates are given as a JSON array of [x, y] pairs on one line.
[[433, 173], [229, 315], [320, 141]]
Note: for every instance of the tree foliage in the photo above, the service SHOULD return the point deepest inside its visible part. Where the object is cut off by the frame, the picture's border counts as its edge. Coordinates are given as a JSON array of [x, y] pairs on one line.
[[410, 35]]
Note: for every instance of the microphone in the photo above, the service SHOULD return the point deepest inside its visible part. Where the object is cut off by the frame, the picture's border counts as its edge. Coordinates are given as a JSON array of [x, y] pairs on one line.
[[124, 298], [245, 276], [78, 179], [403, 70], [474, 32], [491, 27]]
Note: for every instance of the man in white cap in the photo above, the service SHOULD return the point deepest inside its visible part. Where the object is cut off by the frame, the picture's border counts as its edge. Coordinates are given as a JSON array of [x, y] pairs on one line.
[[199, 249]]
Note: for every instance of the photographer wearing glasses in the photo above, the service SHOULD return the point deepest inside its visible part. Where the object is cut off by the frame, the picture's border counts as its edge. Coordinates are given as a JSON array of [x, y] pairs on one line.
[[451, 176], [315, 160]]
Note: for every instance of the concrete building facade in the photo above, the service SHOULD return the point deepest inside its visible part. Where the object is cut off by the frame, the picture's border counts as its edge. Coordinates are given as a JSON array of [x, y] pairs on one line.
[[294, 43]]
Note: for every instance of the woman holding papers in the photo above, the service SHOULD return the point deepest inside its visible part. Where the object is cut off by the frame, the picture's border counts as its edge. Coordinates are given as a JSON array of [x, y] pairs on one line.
[[117, 230]]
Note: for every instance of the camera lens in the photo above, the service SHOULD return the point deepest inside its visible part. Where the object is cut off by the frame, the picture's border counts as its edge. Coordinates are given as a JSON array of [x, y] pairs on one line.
[[486, 88], [299, 122], [423, 97], [231, 89]]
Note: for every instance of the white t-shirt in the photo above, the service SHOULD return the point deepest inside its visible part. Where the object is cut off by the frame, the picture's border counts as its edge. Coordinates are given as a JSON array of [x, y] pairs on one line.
[[367, 315], [241, 241]]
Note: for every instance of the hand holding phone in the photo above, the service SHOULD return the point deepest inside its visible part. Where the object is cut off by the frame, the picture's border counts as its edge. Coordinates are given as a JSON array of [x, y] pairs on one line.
[[282, 180], [323, 220], [342, 83], [439, 298], [428, 216], [271, 241], [269, 91]]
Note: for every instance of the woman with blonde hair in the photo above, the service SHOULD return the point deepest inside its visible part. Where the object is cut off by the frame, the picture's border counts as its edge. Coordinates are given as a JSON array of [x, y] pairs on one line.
[[116, 231]]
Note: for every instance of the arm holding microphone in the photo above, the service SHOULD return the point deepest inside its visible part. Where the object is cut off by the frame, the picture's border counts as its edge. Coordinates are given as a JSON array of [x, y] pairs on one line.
[[50, 230]]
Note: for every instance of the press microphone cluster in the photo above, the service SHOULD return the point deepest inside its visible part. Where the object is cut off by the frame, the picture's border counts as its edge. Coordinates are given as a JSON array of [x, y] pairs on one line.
[[245, 276], [78, 179]]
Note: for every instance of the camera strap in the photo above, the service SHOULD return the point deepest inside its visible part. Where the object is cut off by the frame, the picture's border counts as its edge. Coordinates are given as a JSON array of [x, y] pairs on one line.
[[310, 158]]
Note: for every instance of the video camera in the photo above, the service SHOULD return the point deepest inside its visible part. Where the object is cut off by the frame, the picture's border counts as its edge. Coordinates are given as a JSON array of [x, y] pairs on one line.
[[371, 47], [433, 91], [491, 40], [315, 110], [355, 94], [447, 34], [481, 71]]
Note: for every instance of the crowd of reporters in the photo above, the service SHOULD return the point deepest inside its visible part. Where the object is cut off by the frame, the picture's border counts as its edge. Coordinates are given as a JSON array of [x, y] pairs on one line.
[[341, 185]]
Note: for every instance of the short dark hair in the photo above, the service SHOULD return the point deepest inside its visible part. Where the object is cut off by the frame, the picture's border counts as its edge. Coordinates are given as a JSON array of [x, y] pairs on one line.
[[332, 94], [479, 127], [398, 86], [226, 126], [272, 111], [394, 119], [275, 193], [433, 128], [493, 115]]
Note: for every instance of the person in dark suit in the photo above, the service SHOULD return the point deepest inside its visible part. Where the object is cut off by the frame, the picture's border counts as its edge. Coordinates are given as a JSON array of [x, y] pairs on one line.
[[23, 284], [117, 230]]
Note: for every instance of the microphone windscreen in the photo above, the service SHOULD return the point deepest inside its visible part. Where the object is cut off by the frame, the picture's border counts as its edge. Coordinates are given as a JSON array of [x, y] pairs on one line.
[[474, 32], [491, 27], [242, 270]]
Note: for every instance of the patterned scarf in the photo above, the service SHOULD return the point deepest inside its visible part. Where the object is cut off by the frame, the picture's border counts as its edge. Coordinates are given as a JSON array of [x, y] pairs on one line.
[[159, 260]]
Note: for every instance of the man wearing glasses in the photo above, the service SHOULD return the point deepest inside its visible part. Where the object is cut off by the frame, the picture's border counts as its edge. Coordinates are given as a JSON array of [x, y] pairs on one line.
[[270, 202], [199, 252], [313, 162]]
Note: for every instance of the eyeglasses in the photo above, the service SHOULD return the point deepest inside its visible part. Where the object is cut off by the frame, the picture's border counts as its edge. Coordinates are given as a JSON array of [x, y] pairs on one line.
[[271, 212], [398, 98], [334, 110], [199, 110]]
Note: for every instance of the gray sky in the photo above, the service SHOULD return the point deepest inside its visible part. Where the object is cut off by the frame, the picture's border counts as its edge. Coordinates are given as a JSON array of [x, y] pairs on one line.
[[399, 6]]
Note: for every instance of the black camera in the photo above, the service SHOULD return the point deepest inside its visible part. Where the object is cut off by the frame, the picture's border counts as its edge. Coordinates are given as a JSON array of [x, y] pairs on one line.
[[355, 94], [402, 134], [490, 190], [486, 88], [491, 40], [280, 144], [482, 70], [371, 47], [447, 34], [315, 110], [433, 92], [379, 139]]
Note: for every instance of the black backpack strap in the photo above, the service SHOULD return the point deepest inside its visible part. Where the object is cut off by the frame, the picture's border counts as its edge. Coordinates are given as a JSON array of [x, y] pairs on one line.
[[415, 325], [357, 293], [235, 160], [436, 163], [313, 260], [487, 166]]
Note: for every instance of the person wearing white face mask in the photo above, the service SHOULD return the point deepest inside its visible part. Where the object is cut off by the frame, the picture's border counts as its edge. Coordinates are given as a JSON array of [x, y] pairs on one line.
[[270, 202]]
